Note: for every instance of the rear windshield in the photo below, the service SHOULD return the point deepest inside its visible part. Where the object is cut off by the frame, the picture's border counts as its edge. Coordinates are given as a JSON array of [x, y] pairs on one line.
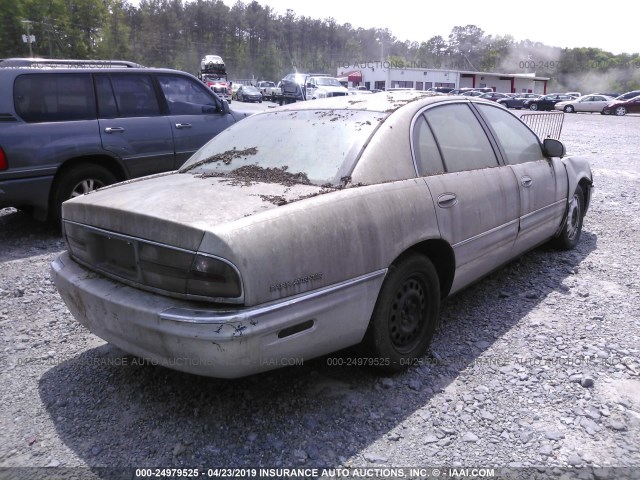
[[320, 146]]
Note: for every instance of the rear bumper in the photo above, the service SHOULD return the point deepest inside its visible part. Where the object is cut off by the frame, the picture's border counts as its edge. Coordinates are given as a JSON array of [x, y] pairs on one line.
[[223, 343], [25, 192]]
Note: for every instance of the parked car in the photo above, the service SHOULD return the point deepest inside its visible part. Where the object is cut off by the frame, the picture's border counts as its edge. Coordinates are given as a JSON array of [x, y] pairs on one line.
[[622, 107], [268, 90], [325, 87], [69, 127], [248, 93], [234, 90], [494, 96], [472, 93], [447, 90], [358, 91], [304, 86], [546, 102], [586, 103], [574, 94], [310, 250], [518, 100], [628, 95]]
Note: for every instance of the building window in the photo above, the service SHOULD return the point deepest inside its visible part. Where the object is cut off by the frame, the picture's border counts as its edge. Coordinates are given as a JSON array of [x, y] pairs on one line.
[[379, 85], [401, 84]]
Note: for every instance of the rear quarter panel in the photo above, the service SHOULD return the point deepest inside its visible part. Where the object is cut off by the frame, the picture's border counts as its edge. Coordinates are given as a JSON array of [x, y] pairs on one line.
[[325, 239]]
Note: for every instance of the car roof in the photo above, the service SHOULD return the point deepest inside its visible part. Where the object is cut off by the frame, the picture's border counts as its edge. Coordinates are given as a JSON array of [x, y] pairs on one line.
[[53, 63], [385, 102]]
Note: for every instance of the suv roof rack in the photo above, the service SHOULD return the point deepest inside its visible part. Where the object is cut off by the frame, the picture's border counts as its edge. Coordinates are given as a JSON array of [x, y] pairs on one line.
[[63, 63]]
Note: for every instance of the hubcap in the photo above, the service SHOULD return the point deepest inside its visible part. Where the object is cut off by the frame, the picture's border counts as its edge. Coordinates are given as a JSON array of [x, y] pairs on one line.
[[573, 219], [85, 186], [407, 315]]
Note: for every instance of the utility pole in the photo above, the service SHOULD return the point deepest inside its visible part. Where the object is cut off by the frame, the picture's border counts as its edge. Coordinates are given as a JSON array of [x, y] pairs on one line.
[[28, 37]]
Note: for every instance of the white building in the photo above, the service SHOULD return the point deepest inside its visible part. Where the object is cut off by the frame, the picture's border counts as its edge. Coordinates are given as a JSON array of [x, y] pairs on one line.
[[385, 75]]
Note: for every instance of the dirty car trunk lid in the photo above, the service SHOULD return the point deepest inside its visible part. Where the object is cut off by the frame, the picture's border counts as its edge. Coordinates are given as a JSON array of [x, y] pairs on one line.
[[178, 208]]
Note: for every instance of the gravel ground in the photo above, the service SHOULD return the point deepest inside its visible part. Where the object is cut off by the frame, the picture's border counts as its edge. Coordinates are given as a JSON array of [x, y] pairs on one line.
[[535, 366]]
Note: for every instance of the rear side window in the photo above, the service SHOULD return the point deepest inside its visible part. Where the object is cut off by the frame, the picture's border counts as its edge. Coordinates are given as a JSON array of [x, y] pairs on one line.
[[54, 97], [462, 141], [135, 95], [428, 159], [106, 99]]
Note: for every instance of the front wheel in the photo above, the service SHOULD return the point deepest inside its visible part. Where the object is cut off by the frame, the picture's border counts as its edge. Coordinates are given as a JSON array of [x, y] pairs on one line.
[[569, 109], [533, 106], [570, 235], [621, 111], [405, 315], [77, 181]]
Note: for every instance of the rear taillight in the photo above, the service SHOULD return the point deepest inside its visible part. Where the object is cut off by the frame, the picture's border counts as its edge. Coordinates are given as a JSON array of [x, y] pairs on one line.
[[211, 277], [3, 160]]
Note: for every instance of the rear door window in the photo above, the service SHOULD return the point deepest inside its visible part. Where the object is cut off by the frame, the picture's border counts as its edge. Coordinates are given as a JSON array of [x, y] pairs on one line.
[[135, 95], [54, 97]]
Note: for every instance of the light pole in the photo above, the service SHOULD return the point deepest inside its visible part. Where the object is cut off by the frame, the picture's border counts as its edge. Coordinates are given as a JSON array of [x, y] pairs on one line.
[[380, 40], [28, 38]]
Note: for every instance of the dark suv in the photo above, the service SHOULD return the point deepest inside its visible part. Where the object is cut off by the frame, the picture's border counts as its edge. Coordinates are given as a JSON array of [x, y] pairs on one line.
[[69, 127]]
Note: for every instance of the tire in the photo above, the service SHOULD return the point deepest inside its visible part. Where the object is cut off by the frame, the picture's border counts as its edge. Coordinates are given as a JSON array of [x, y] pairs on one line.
[[621, 111], [533, 106], [570, 235], [76, 181], [569, 109], [405, 315]]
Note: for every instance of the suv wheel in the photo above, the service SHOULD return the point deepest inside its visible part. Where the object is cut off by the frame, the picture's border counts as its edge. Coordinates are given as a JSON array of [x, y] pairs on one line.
[[77, 181]]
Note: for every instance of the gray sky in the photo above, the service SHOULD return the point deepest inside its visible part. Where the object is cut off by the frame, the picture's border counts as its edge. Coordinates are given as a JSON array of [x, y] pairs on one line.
[[555, 23]]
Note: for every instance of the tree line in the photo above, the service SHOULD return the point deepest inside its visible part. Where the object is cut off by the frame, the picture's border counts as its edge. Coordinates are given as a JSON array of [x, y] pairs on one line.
[[256, 42]]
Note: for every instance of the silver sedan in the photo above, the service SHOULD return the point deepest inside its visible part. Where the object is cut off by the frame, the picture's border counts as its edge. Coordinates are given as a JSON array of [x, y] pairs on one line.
[[587, 103], [318, 226]]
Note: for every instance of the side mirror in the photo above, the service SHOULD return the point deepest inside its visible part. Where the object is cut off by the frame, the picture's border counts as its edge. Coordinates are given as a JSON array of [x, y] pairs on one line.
[[553, 148], [227, 109]]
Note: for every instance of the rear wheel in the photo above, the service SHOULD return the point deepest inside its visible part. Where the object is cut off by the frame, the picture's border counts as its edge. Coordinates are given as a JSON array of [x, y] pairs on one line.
[[77, 181], [406, 313]]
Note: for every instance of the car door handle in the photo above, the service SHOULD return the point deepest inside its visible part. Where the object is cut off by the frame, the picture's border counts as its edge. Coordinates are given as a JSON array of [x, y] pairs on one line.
[[526, 181], [447, 200], [113, 130], [183, 125]]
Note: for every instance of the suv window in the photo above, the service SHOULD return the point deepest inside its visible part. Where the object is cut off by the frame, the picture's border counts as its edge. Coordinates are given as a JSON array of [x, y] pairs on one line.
[[184, 96], [54, 97], [462, 142], [519, 143], [135, 95]]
